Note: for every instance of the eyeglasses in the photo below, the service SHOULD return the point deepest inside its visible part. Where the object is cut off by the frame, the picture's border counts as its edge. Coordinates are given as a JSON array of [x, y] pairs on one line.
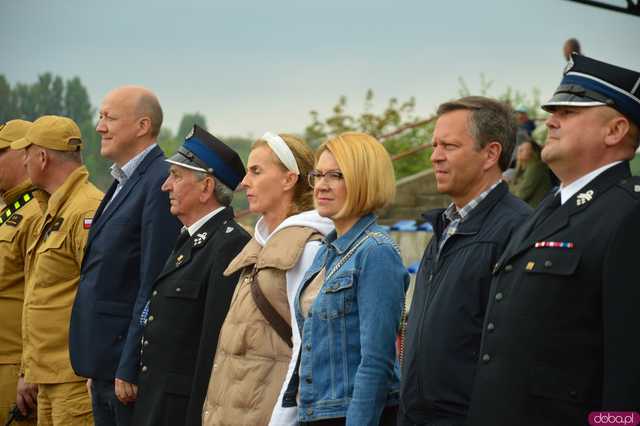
[[331, 177]]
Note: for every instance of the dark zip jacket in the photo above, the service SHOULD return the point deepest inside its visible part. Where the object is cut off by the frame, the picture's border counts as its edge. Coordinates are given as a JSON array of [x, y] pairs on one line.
[[445, 320]]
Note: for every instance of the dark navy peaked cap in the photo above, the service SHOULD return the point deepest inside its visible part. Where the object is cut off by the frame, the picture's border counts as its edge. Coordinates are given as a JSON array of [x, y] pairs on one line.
[[204, 152], [588, 82]]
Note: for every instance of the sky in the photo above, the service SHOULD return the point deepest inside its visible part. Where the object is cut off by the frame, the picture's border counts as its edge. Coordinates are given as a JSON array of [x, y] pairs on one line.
[[253, 66]]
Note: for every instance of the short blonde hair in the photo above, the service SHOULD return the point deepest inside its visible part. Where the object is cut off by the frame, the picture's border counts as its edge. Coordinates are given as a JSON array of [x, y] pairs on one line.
[[367, 170], [303, 154]]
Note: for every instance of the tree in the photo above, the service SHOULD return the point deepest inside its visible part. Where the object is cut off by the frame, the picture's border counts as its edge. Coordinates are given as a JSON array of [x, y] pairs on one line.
[[394, 116], [168, 142], [6, 100], [50, 95], [187, 122], [76, 101]]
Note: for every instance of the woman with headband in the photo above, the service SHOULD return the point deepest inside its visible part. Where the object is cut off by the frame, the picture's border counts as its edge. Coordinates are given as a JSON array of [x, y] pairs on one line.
[[256, 340], [350, 303]]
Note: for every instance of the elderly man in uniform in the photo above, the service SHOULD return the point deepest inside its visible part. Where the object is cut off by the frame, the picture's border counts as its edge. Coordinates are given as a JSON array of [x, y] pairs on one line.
[[191, 296], [128, 245], [54, 164], [560, 335], [18, 220]]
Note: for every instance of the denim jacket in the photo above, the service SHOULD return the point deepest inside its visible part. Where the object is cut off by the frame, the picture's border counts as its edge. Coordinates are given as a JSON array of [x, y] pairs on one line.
[[348, 364]]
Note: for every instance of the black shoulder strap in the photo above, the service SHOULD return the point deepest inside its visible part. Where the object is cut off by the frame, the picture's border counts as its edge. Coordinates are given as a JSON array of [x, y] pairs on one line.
[[268, 311], [15, 206]]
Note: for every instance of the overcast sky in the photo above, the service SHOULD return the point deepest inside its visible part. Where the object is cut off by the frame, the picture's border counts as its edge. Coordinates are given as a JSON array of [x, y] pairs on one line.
[[251, 66]]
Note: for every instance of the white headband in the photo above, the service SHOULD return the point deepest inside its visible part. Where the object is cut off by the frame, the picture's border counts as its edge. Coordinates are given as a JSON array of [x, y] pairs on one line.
[[282, 151]]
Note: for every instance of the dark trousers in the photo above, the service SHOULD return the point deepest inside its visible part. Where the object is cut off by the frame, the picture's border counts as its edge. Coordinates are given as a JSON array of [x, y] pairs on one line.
[[107, 409], [388, 418], [403, 420]]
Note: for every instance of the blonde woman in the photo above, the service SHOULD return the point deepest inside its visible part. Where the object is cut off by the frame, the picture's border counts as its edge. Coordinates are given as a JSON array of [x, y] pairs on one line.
[[256, 339], [350, 303]]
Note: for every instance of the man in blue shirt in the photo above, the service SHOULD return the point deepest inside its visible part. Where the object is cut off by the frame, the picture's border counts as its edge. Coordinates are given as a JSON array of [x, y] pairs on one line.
[[131, 236]]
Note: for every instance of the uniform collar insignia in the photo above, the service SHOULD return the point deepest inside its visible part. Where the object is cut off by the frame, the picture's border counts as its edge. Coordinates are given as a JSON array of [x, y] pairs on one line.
[[584, 197], [199, 239]]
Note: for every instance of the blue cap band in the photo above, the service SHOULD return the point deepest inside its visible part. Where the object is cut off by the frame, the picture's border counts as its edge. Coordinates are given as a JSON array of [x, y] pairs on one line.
[[220, 169], [624, 102]]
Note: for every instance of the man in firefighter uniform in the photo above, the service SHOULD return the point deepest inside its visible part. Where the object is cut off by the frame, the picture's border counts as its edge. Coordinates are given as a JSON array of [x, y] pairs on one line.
[[53, 162], [18, 220], [560, 333]]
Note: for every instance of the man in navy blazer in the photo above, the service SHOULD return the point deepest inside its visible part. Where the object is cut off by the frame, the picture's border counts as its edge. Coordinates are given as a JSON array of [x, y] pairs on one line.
[[130, 239]]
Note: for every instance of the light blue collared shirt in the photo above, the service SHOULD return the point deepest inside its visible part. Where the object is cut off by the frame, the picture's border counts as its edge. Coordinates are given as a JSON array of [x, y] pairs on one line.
[[124, 173]]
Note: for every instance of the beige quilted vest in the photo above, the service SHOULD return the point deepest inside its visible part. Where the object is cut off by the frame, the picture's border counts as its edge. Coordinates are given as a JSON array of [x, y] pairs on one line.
[[251, 360]]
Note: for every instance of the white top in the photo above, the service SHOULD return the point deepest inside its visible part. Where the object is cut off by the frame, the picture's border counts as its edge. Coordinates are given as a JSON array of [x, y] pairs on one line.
[[198, 223], [288, 416], [568, 191]]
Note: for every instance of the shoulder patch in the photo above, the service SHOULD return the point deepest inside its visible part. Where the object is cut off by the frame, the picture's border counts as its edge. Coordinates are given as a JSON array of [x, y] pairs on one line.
[[14, 220]]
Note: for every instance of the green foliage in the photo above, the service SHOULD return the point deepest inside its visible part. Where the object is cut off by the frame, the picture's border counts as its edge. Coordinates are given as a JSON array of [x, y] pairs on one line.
[[187, 122], [168, 142], [511, 96], [50, 95], [242, 146], [395, 115], [398, 115], [635, 165]]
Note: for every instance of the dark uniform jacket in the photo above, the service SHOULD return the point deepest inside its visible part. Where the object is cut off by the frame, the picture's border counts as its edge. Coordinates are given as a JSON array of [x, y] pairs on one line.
[[445, 321], [188, 305], [128, 245], [562, 324]]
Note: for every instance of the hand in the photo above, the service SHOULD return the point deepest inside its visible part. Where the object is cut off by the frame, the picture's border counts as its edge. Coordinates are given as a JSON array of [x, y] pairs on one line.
[[125, 391], [89, 383], [27, 397]]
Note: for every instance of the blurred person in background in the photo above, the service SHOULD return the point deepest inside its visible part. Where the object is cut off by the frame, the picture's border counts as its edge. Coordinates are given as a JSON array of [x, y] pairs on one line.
[[532, 180]]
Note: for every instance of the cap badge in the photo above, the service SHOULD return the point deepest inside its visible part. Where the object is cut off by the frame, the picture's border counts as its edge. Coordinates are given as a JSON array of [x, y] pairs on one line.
[[229, 228], [584, 197], [199, 239], [569, 65], [636, 188], [179, 259]]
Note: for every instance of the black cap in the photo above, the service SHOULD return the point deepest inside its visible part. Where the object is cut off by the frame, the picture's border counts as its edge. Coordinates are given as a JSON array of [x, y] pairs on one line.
[[204, 152], [588, 82]]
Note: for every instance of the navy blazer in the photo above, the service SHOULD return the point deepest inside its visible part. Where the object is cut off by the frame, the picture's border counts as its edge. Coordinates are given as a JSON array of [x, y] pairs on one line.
[[128, 245]]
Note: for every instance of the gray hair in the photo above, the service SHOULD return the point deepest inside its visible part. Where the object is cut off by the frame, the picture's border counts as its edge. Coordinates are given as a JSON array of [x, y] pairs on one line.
[[490, 121], [223, 194], [65, 156]]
